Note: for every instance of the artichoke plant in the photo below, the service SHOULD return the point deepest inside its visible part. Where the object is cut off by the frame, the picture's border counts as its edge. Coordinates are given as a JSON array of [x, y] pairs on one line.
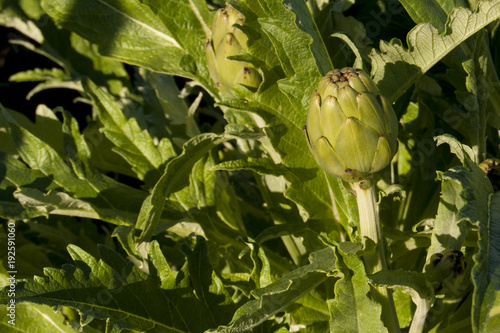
[[351, 129], [352, 132], [228, 40]]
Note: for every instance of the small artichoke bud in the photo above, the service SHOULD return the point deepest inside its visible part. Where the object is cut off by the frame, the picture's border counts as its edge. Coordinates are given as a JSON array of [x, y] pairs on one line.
[[445, 269], [491, 168], [351, 129], [228, 40]]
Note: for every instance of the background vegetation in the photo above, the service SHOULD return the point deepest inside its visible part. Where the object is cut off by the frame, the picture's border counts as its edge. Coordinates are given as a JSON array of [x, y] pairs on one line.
[[146, 200]]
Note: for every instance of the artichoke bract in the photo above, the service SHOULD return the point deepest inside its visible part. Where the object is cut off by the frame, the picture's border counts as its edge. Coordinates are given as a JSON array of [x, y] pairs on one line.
[[351, 129], [228, 40]]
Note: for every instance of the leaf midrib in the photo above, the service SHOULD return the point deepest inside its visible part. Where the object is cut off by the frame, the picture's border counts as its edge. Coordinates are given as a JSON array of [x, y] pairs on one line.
[[142, 24]]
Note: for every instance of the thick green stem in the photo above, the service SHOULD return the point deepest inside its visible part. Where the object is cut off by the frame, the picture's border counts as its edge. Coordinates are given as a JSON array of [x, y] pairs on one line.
[[418, 321], [370, 229]]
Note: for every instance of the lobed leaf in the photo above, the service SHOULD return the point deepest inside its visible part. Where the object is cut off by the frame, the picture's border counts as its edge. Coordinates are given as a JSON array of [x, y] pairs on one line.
[[104, 194], [175, 178], [351, 302], [282, 293], [131, 142], [142, 33], [395, 68], [116, 290], [464, 193]]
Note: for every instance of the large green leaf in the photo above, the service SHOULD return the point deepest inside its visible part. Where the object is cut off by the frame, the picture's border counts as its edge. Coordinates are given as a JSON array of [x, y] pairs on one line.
[[106, 196], [471, 71], [486, 271], [283, 100], [464, 199], [395, 68], [176, 177], [114, 289], [30, 317], [282, 293], [142, 33], [351, 300], [133, 143]]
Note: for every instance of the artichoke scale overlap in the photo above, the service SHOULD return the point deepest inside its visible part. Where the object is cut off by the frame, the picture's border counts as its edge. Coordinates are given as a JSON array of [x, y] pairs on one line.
[[351, 129], [228, 41]]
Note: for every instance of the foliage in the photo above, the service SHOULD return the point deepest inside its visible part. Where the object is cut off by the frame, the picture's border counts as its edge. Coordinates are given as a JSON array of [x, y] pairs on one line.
[[158, 203]]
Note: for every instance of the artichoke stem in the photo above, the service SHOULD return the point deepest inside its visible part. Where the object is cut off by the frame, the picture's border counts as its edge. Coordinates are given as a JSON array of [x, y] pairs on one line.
[[370, 229]]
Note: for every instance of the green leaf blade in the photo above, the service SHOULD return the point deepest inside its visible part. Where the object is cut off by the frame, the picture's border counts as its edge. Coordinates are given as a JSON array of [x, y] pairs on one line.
[[134, 144], [395, 68], [486, 271], [115, 289], [351, 308], [282, 293]]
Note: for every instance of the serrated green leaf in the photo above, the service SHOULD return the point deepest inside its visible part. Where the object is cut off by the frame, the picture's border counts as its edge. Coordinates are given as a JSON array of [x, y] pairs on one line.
[[292, 25], [464, 199], [207, 286], [174, 179], [395, 68], [39, 74], [427, 11], [476, 86], [174, 14], [15, 174], [46, 127], [41, 156], [114, 289], [104, 194], [282, 293], [282, 102], [418, 285], [142, 33], [471, 71], [351, 302], [134, 144], [54, 202]]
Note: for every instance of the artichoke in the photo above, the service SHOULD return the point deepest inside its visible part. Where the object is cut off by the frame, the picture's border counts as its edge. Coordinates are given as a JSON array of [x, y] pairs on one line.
[[228, 40], [351, 129], [446, 269]]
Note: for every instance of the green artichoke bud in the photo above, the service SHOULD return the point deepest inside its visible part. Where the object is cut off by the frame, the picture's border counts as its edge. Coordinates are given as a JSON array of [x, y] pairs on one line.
[[446, 269], [491, 168], [228, 40], [351, 129]]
